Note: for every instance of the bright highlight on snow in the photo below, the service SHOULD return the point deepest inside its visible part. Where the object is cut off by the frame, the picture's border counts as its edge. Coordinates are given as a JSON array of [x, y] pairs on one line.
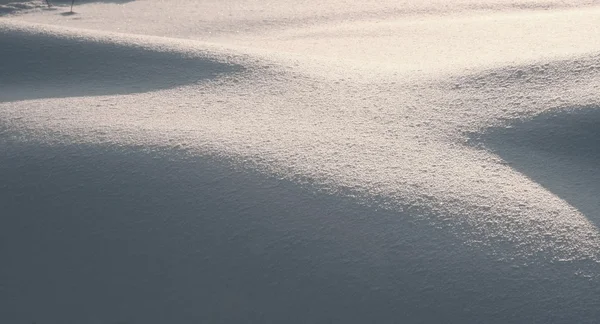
[[465, 132]]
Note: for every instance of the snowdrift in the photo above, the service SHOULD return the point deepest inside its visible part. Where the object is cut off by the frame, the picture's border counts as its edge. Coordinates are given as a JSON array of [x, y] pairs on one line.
[[38, 63], [559, 150], [307, 163], [119, 234]]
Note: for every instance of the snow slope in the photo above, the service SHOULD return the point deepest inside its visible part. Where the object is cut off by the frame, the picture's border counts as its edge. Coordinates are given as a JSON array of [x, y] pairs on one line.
[[416, 161]]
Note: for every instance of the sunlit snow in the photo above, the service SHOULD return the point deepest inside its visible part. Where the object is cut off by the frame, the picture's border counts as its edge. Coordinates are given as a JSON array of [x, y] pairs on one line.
[[300, 161]]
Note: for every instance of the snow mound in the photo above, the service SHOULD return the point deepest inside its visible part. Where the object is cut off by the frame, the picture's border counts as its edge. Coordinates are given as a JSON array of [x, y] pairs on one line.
[[397, 142], [160, 236], [376, 161], [38, 63], [557, 149]]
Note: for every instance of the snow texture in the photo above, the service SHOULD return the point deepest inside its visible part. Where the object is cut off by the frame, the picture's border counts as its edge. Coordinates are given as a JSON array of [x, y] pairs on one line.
[[300, 161]]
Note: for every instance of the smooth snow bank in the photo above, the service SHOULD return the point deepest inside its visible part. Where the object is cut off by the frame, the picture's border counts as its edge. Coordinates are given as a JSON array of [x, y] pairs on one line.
[[191, 18], [563, 153], [41, 64], [405, 37], [109, 234], [396, 142], [454, 43], [406, 114]]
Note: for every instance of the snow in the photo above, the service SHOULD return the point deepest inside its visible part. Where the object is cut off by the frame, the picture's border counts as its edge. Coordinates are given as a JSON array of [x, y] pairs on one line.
[[300, 161]]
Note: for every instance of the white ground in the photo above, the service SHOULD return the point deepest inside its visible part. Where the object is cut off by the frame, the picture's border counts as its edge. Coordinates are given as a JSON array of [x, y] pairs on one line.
[[477, 118]]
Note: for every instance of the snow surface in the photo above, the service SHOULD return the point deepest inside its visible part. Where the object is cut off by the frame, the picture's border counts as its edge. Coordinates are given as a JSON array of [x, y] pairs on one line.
[[300, 161]]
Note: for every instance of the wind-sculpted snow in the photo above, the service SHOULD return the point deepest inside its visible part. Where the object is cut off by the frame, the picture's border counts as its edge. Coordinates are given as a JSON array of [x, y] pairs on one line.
[[563, 153], [109, 234], [413, 148], [399, 142], [202, 19], [41, 64]]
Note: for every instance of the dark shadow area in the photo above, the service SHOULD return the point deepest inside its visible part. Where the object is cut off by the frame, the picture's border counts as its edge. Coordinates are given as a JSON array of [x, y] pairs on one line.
[[559, 150], [37, 66], [101, 234]]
